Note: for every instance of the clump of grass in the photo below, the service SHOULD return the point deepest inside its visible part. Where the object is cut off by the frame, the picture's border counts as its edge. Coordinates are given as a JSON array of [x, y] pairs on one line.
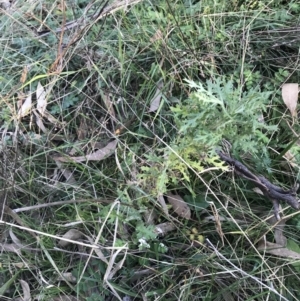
[[89, 222]]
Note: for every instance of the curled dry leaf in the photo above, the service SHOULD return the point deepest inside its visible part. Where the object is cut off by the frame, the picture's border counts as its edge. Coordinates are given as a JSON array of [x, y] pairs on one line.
[[224, 219], [163, 204], [97, 251], [109, 105], [277, 250], [67, 277], [157, 36], [72, 234], [20, 265], [179, 206], [41, 99], [290, 157], [164, 228], [10, 248], [39, 122], [25, 69], [150, 216], [14, 238], [257, 190], [217, 221], [26, 291], [83, 129], [280, 239], [53, 120], [68, 175], [290, 97], [155, 101], [26, 107], [98, 155]]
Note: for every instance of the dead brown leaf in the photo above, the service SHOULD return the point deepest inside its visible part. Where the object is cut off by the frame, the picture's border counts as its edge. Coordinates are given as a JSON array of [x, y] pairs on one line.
[[26, 107], [97, 251], [109, 105], [53, 120], [72, 234], [41, 99], [20, 265], [277, 250], [98, 155], [24, 72], [164, 228], [217, 222], [67, 277], [179, 206], [290, 97], [280, 239], [291, 158], [157, 36], [155, 101], [10, 248], [83, 129], [163, 204], [15, 239], [26, 291], [68, 175], [150, 216], [39, 122]]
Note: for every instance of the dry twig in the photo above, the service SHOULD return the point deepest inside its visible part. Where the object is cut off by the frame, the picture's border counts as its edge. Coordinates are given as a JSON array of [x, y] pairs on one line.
[[273, 192]]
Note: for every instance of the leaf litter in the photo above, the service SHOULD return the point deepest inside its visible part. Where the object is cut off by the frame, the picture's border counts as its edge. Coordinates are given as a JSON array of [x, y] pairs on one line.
[[179, 206], [41, 99], [155, 101], [98, 155], [290, 97], [281, 246], [25, 107]]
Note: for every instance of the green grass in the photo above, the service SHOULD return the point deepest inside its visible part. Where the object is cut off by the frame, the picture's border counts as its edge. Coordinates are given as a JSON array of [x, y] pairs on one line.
[[99, 81]]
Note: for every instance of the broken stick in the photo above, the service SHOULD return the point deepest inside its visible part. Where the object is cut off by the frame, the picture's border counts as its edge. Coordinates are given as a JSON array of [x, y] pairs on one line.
[[273, 192]]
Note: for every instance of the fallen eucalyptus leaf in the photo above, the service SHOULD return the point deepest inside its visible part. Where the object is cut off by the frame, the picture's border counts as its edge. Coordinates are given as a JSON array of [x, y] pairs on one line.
[[290, 157], [150, 216], [257, 190], [280, 239], [155, 101], [179, 206], [277, 250], [163, 204], [83, 129], [72, 234], [97, 251], [67, 277], [157, 36], [164, 228], [39, 122], [26, 291], [41, 99], [68, 175], [109, 104], [98, 155], [290, 97], [26, 107], [10, 248], [25, 68]]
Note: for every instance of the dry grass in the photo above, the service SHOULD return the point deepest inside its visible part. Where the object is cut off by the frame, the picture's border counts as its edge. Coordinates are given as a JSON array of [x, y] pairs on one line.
[[87, 129]]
